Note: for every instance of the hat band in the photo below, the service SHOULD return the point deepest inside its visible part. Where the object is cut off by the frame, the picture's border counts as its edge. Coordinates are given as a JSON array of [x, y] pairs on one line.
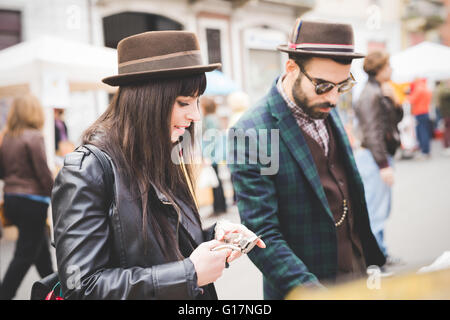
[[328, 47], [169, 61]]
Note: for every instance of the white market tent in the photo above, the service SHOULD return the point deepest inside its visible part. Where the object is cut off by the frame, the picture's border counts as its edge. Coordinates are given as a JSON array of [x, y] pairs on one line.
[[51, 68], [425, 60], [80, 64]]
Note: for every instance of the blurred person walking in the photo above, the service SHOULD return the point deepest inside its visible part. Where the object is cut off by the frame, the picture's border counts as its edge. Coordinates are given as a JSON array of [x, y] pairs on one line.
[[28, 184], [145, 240], [443, 105], [212, 122], [420, 99], [61, 134], [311, 212], [378, 114]]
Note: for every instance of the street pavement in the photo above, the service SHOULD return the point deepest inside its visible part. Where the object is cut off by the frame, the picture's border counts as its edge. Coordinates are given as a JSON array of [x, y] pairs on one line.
[[417, 230]]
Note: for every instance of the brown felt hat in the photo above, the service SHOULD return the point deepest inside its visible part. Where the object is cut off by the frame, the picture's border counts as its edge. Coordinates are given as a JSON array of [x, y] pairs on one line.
[[158, 54], [322, 39]]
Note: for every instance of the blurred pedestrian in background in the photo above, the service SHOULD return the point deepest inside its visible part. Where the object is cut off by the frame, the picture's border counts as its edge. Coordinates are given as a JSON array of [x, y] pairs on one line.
[[378, 115], [214, 145], [420, 99], [60, 128], [443, 104], [28, 184]]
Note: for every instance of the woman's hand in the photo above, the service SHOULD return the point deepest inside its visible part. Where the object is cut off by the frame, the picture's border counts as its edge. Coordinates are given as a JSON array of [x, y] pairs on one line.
[[225, 228], [387, 175], [209, 264]]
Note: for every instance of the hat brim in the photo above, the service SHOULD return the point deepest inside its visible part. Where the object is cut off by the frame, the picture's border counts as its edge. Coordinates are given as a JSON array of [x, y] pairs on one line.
[[135, 77], [325, 54]]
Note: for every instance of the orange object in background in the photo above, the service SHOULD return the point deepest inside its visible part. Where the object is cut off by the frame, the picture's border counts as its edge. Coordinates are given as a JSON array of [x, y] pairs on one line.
[[420, 97], [65, 147], [3, 220], [400, 90]]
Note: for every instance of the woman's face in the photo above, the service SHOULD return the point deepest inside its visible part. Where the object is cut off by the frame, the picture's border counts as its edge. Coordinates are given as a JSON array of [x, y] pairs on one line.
[[184, 112]]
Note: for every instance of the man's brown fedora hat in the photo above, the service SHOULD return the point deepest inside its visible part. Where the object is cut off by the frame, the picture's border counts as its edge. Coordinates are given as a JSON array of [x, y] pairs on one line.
[[158, 54], [325, 39]]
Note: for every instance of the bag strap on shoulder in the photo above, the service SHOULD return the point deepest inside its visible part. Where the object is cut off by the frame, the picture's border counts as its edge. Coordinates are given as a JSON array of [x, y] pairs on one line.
[[109, 181], [107, 168]]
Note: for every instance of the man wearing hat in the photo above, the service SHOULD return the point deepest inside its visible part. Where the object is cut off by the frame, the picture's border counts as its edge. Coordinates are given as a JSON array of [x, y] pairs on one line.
[[311, 213]]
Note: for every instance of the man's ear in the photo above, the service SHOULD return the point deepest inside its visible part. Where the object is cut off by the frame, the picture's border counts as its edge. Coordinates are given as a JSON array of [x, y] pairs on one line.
[[292, 67]]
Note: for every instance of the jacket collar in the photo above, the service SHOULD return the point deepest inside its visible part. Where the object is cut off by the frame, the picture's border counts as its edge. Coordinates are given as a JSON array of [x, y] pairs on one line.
[[189, 221], [372, 80]]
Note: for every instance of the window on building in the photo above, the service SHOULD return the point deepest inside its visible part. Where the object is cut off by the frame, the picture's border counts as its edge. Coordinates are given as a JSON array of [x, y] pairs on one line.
[[214, 48], [10, 28], [125, 24]]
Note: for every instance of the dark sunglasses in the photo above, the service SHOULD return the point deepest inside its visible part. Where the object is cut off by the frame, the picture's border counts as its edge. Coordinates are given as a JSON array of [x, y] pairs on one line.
[[322, 86]]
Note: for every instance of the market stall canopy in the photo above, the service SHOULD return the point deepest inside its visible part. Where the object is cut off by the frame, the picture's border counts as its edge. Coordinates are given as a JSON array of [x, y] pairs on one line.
[[80, 64], [219, 84], [425, 60]]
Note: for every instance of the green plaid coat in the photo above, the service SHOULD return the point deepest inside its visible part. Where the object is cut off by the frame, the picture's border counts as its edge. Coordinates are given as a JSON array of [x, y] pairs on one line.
[[289, 208]]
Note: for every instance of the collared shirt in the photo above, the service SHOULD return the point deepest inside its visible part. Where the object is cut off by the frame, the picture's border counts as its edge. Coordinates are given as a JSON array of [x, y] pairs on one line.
[[316, 129]]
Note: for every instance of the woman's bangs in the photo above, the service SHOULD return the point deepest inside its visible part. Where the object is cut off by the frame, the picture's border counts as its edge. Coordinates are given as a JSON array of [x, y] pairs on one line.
[[193, 86]]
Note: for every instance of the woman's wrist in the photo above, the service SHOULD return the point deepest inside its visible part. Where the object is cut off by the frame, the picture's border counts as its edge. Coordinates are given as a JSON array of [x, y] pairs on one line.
[[192, 278]]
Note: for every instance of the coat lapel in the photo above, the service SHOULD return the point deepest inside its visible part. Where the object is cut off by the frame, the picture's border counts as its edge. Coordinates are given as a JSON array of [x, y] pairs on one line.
[[297, 145], [188, 221]]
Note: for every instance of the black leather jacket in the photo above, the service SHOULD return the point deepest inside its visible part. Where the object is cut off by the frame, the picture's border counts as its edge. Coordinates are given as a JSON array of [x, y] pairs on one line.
[[100, 247]]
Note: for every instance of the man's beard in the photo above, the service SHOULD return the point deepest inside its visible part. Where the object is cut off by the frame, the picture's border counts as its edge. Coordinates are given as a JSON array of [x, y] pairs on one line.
[[313, 111]]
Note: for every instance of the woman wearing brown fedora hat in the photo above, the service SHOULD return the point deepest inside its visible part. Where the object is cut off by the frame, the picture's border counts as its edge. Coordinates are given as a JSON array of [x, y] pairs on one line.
[[147, 241]]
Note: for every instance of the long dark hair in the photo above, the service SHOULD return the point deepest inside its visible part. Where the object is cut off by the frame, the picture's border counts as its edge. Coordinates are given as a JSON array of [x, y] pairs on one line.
[[135, 132]]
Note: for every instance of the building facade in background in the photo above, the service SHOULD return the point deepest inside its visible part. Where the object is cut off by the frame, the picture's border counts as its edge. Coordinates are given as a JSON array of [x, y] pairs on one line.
[[426, 20], [241, 34]]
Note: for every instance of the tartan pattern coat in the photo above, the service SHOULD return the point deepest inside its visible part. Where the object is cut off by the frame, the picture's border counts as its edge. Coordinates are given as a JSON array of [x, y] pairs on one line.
[[289, 208]]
